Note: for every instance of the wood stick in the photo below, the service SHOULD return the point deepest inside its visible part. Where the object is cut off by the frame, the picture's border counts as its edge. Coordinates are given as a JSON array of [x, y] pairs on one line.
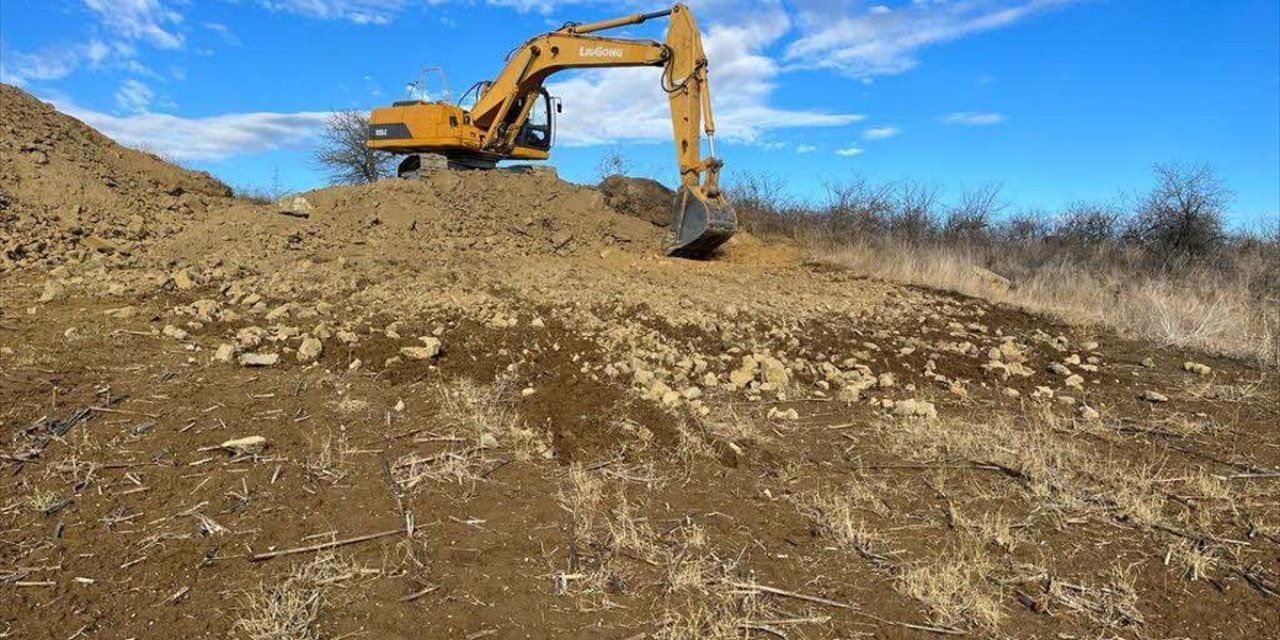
[[790, 594], [259, 557], [418, 594]]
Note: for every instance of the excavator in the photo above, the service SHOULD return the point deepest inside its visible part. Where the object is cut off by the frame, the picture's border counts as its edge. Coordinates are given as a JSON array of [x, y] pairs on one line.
[[510, 117]]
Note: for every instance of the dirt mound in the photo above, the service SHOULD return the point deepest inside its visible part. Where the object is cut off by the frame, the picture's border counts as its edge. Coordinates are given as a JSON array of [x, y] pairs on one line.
[[67, 188], [494, 211], [640, 197]]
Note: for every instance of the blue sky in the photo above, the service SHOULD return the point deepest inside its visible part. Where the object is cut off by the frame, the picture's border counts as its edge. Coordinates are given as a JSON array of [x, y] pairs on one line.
[[1058, 100]]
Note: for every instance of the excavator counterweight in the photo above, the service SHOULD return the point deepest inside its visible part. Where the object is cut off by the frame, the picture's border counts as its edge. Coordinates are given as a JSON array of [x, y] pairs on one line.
[[512, 117]]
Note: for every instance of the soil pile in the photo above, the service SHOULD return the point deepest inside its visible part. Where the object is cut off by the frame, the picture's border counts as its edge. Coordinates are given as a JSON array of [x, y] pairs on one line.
[[67, 191], [640, 197]]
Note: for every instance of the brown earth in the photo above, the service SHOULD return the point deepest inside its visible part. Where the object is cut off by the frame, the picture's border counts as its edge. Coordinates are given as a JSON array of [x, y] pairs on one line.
[[608, 443]]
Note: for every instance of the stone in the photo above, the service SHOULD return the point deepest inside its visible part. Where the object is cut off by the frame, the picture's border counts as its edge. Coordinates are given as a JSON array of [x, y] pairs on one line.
[[488, 441], [1059, 369], [1074, 381], [992, 279], [773, 372], [121, 313], [1197, 368], [1089, 413], [249, 445], [297, 206], [1149, 363], [1153, 396], [783, 414], [310, 349], [184, 279], [176, 333], [915, 409], [53, 290], [259, 359], [432, 348], [225, 353]]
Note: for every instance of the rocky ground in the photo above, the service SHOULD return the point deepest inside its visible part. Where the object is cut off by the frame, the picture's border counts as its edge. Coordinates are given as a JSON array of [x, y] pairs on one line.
[[481, 405]]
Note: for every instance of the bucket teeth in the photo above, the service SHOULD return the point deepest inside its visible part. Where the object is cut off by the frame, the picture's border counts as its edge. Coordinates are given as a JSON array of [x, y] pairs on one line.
[[698, 224]]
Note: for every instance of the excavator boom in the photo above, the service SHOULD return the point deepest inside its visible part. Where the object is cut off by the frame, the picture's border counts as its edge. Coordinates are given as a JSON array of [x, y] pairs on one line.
[[498, 126]]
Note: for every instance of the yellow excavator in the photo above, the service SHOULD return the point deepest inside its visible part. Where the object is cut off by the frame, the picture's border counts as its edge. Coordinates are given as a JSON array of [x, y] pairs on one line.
[[511, 118]]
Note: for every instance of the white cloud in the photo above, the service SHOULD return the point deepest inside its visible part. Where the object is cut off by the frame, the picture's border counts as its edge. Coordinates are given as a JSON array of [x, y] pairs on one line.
[[212, 138], [881, 133], [805, 148], [223, 32], [974, 118], [134, 96], [885, 41], [145, 20], [629, 103], [376, 12], [849, 152]]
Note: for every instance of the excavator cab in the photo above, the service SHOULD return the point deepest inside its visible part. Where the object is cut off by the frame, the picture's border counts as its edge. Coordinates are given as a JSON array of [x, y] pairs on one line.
[[537, 129]]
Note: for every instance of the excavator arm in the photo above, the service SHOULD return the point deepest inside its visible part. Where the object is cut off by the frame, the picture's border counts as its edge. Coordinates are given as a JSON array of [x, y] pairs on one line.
[[702, 219]]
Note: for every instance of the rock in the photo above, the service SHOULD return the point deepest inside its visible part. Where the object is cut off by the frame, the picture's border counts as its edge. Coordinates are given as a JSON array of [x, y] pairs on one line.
[[783, 414], [279, 312], [225, 353], [1059, 369], [259, 359], [1149, 363], [121, 313], [53, 290], [743, 375], [250, 445], [432, 348], [692, 393], [297, 206], [1197, 368], [310, 349], [1089, 413], [773, 372], [184, 279], [250, 336], [1010, 392], [1153, 396], [992, 279], [915, 409], [488, 441], [174, 332], [1074, 381], [348, 338]]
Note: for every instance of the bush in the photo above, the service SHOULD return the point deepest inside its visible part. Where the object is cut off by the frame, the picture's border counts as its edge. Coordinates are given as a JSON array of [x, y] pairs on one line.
[[342, 154], [1180, 219]]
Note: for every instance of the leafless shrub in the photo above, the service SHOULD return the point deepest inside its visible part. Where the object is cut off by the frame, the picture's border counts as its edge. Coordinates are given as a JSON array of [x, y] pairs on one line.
[[1181, 217], [341, 152], [613, 163]]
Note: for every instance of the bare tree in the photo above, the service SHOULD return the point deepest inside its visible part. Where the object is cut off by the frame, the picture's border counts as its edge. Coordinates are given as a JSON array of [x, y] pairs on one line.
[[613, 163], [342, 153], [970, 219], [1181, 217]]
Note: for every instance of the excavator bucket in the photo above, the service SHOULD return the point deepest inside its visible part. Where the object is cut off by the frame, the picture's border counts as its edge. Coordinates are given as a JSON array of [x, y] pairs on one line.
[[698, 224]]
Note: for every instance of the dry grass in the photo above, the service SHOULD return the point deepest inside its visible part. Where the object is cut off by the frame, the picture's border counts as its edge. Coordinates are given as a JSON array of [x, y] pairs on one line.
[[476, 419], [1202, 310], [957, 587], [289, 609], [328, 457]]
